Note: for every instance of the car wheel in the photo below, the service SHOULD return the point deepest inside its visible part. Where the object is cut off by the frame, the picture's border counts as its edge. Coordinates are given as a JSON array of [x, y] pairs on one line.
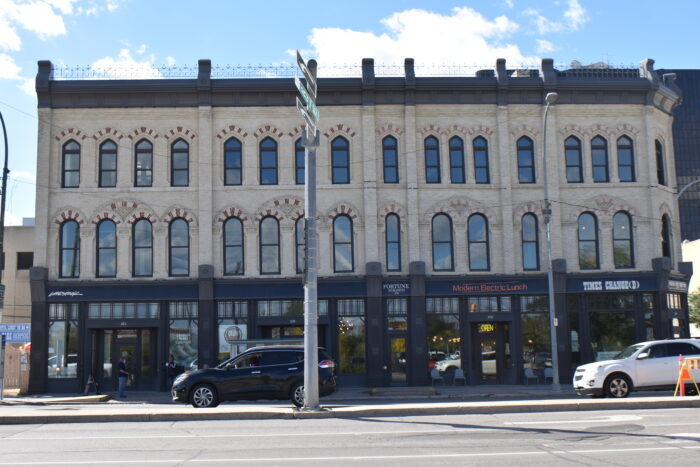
[[297, 395], [618, 386], [204, 395]]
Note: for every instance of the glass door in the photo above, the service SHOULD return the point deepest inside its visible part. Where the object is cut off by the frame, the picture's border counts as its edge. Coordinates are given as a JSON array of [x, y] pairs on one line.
[[398, 360], [494, 354]]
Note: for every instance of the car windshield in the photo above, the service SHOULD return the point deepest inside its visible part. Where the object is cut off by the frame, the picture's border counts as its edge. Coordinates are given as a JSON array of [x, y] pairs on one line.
[[628, 352]]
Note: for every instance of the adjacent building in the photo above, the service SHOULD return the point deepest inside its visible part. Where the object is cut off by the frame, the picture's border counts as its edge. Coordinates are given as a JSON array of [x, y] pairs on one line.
[[169, 221]]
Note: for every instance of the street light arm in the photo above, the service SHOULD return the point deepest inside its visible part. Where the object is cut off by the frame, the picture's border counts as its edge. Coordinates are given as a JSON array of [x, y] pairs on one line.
[[680, 192]]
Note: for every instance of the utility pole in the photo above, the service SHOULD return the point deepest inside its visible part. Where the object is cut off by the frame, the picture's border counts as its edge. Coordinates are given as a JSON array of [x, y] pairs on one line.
[[5, 171], [310, 141]]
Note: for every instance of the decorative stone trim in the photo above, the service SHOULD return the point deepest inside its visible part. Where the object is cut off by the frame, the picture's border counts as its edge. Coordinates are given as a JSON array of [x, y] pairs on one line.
[[340, 128], [576, 130], [267, 129], [431, 130], [106, 215], [176, 212], [71, 131], [231, 211], [480, 130], [393, 207], [69, 214], [342, 209], [267, 213], [627, 128], [297, 131], [107, 132], [599, 129], [389, 129], [232, 130], [180, 131], [523, 209], [143, 131], [524, 130]]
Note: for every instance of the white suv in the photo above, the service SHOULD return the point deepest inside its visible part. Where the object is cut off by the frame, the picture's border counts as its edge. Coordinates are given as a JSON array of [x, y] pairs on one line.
[[648, 365]]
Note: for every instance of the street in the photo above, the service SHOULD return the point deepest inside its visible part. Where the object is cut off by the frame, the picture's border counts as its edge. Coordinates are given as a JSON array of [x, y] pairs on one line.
[[619, 437]]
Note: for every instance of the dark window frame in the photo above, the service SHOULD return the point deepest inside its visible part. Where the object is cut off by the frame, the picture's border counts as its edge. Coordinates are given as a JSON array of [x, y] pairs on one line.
[[271, 169], [625, 143], [262, 245], [602, 146], [456, 147], [233, 147], [299, 163], [573, 143], [25, 260], [75, 249], [389, 143], [65, 151], [146, 152], [440, 242], [595, 240], [660, 163], [136, 246], [184, 247], [471, 242], [337, 243], [666, 237], [629, 241], [536, 241], [173, 170], [397, 241], [300, 256], [99, 249], [336, 148], [526, 147], [240, 246], [479, 168], [428, 146], [104, 153]]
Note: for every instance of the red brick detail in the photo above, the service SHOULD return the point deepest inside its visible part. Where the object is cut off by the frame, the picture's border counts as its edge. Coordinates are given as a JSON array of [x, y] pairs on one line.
[[389, 129], [71, 131], [143, 131], [431, 129], [108, 132], [141, 215], [296, 131], [180, 131], [233, 129], [68, 215], [268, 129], [339, 128]]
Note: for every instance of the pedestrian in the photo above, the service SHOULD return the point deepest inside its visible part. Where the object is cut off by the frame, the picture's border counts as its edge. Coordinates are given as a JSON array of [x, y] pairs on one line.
[[123, 376], [170, 370]]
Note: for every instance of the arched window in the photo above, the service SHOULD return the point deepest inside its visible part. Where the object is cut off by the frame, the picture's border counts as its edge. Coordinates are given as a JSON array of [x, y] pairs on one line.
[[233, 162], [526, 160], [625, 159], [70, 249], [143, 168], [391, 160], [457, 160], [432, 160], [300, 245], [106, 249], [71, 165], [233, 247], [269, 246], [530, 239], [574, 163], [143, 248], [268, 161], [179, 247], [623, 251], [340, 160], [599, 159], [587, 241], [478, 238], [343, 248], [666, 236], [481, 160], [299, 162], [442, 243], [393, 243], [660, 168], [108, 164], [180, 167]]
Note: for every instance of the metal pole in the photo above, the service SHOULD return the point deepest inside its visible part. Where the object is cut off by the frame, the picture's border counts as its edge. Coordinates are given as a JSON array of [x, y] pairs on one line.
[[310, 142], [5, 171], [551, 98]]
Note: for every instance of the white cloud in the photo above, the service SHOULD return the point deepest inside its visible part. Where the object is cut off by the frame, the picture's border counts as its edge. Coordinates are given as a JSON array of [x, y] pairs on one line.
[[8, 67], [170, 61], [509, 3], [9, 39], [464, 37], [11, 219], [28, 86], [574, 18], [544, 46], [141, 50], [39, 18], [575, 15], [124, 66]]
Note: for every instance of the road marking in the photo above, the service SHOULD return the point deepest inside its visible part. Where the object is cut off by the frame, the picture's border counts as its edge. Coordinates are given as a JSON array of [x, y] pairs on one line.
[[685, 435], [611, 418]]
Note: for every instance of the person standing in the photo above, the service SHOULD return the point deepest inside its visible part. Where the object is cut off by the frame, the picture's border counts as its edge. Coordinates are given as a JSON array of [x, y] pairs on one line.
[[171, 371], [123, 376]]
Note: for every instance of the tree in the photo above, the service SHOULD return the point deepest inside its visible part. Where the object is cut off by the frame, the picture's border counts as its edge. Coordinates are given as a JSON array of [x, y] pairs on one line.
[[694, 307]]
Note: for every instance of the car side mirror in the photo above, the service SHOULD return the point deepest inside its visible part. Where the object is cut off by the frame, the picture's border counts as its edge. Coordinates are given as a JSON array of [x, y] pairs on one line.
[[642, 356]]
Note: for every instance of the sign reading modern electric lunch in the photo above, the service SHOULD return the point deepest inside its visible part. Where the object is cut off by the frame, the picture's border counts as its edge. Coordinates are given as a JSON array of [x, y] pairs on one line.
[[608, 284], [396, 288], [491, 287]]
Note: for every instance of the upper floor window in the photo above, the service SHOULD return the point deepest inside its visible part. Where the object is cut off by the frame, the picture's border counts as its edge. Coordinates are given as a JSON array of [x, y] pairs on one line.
[[233, 246], [143, 248], [343, 259], [106, 249], [457, 160], [442, 243], [71, 165], [599, 159], [587, 241], [233, 162], [269, 246], [625, 159], [143, 168], [666, 236], [623, 251], [574, 161], [179, 247], [299, 162], [340, 160], [268, 161], [393, 243], [481, 160], [530, 240], [432, 160], [660, 168], [300, 241], [391, 160], [478, 238], [70, 249], [108, 164], [180, 168], [526, 160]]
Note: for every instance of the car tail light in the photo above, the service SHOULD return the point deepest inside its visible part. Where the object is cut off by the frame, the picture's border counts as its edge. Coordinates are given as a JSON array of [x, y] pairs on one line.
[[326, 364]]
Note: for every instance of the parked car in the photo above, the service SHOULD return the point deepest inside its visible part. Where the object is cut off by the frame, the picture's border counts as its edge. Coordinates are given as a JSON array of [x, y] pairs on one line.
[[259, 373], [649, 365]]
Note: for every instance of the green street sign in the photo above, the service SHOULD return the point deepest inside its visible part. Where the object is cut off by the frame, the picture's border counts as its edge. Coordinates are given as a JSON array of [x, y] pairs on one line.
[[310, 104]]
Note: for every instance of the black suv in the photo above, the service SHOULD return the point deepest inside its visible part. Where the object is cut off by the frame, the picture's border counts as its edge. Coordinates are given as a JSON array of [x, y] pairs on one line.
[[258, 373]]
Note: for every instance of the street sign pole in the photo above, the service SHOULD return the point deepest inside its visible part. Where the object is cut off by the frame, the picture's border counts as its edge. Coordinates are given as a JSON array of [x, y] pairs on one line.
[[310, 141]]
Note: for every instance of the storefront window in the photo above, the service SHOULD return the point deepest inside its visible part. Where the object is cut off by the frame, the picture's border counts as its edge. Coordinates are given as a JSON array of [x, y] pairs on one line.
[[352, 331], [267, 308], [443, 331], [396, 313], [488, 304], [119, 310], [63, 340], [648, 307], [612, 324], [184, 333], [574, 331], [233, 327], [534, 322]]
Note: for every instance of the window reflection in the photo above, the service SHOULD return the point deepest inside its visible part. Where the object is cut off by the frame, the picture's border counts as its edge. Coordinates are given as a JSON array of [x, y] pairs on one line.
[[233, 246], [269, 246], [342, 244], [143, 248], [442, 243]]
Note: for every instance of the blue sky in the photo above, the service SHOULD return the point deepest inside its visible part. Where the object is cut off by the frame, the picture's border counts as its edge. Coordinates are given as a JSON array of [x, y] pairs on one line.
[[146, 33]]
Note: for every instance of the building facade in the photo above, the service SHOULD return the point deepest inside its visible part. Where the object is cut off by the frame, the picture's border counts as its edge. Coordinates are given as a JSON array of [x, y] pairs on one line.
[[169, 215], [18, 246]]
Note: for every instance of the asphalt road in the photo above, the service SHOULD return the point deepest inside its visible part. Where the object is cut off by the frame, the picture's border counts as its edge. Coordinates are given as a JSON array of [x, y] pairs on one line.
[[630, 437]]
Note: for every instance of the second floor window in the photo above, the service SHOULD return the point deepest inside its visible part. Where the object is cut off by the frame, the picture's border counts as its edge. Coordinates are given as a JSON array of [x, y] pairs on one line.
[[342, 244], [268, 161], [481, 160], [300, 242], [393, 243], [572, 153], [179, 247], [340, 160], [526, 160], [70, 249], [106, 249], [442, 243], [623, 253], [599, 159], [457, 160], [432, 160], [665, 236], [71, 165], [143, 248], [180, 168], [269, 246], [587, 241], [143, 175], [478, 237], [299, 162], [233, 246], [529, 234], [108, 164], [660, 170], [625, 159], [233, 162], [391, 160]]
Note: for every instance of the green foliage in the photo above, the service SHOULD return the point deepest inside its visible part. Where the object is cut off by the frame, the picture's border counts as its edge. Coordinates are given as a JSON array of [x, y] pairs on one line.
[[694, 307]]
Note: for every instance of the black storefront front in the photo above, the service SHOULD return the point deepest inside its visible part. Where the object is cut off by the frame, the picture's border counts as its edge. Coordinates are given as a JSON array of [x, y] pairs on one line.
[[381, 330]]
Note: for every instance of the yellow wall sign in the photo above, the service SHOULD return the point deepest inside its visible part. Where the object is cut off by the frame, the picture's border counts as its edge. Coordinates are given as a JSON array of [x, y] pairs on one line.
[[487, 328]]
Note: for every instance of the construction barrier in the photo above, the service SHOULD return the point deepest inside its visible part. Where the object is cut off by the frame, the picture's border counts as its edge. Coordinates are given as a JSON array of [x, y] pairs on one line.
[[684, 366]]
